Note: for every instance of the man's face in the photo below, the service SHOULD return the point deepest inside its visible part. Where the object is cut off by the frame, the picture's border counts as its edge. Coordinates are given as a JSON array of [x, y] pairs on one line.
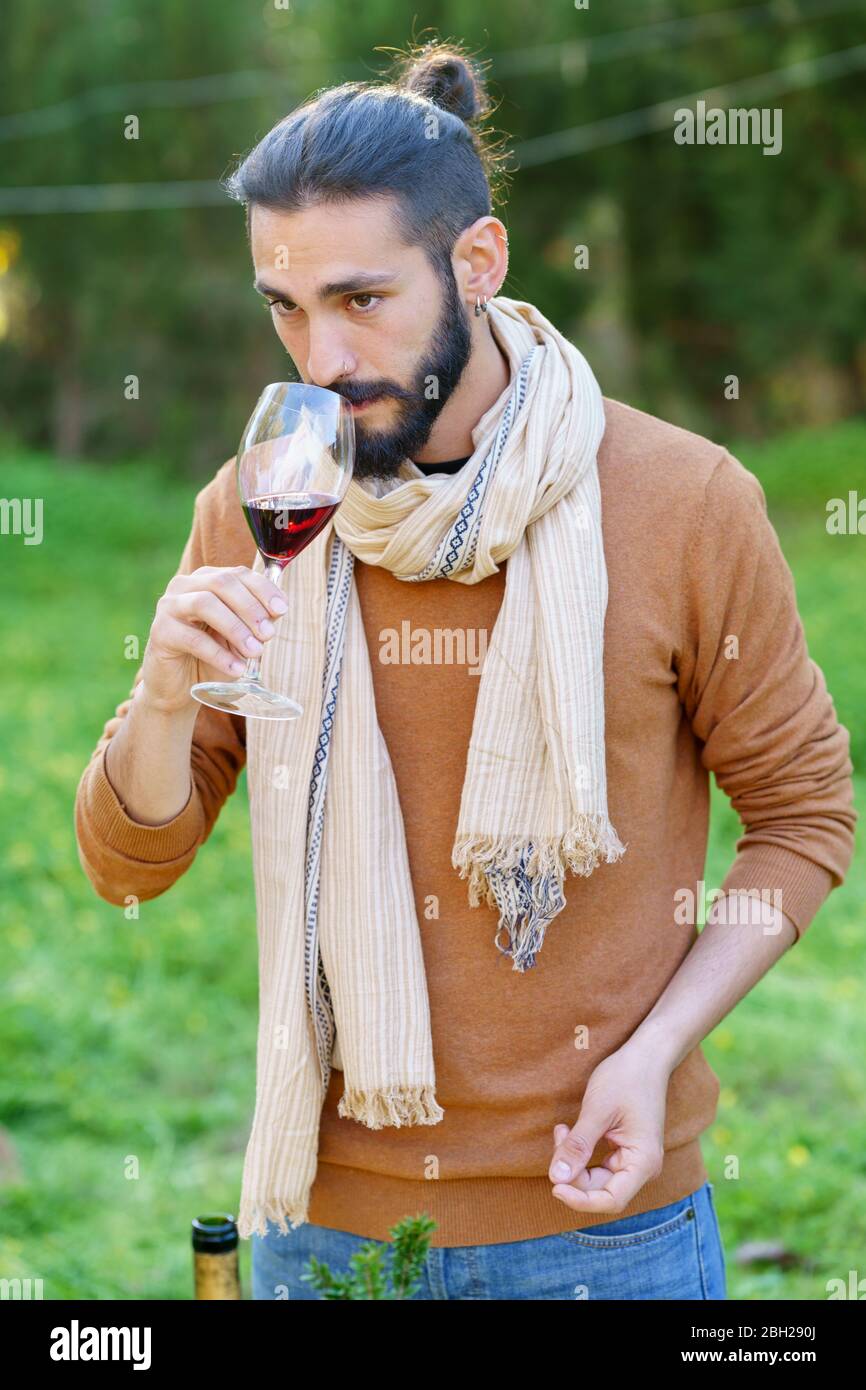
[[366, 316]]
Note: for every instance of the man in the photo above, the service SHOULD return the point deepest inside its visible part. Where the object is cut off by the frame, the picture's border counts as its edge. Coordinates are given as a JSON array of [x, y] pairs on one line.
[[559, 1153]]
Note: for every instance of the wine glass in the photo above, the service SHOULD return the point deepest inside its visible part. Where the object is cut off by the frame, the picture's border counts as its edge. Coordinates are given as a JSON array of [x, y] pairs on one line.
[[294, 465]]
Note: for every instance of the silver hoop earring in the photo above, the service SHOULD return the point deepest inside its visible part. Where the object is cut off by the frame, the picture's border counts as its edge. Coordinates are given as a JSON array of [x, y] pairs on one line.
[[479, 307]]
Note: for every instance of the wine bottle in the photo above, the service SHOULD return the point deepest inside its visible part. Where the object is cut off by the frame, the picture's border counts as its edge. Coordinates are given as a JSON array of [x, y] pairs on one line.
[[215, 1256]]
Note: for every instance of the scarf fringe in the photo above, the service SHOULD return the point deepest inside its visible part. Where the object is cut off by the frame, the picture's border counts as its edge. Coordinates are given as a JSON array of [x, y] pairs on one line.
[[591, 839], [254, 1216], [399, 1105], [524, 879]]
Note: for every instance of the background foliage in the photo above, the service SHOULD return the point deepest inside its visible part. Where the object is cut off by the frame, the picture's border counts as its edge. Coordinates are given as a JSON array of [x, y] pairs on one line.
[[704, 261]]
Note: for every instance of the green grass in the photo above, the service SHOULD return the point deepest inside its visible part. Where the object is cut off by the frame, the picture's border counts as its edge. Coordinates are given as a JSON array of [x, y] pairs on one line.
[[126, 1096]]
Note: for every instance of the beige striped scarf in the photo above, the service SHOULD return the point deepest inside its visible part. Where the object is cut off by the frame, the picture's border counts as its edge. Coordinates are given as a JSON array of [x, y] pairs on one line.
[[341, 970]]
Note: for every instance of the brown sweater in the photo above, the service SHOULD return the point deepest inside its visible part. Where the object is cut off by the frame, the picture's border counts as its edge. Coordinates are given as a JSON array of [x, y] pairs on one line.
[[693, 562]]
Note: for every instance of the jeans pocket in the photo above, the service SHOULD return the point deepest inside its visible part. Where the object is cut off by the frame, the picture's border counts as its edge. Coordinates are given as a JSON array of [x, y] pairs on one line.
[[645, 1227], [656, 1254]]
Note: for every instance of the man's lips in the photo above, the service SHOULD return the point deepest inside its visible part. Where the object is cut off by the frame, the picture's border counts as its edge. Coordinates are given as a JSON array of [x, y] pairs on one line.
[[364, 405]]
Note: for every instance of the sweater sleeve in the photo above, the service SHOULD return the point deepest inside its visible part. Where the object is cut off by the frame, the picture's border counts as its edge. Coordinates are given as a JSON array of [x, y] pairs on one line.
[[760, 706], [120, 855]]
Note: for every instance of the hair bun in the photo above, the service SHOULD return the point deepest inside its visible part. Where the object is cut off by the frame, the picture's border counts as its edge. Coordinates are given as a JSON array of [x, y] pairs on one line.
[[443, 74]]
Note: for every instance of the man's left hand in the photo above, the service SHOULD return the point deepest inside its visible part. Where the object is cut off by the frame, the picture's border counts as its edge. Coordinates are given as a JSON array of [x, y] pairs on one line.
[[624, 1103]]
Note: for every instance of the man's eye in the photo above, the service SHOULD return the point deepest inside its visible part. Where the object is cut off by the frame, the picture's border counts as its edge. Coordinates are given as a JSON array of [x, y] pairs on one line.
[[365, 308], [280, 305]]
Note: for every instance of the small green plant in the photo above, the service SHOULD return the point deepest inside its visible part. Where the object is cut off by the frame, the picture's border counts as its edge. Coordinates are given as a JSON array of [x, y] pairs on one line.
[[367, 1275]]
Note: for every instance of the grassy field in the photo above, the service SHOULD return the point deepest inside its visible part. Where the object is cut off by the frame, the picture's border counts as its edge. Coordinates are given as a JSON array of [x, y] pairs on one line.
[[126, 1095]]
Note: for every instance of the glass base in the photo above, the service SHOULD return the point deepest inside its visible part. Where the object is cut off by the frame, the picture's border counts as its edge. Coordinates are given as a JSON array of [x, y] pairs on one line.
[[246, 697]]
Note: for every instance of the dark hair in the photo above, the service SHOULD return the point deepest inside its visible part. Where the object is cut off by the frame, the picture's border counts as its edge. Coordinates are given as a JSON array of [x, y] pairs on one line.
[[416, 136]]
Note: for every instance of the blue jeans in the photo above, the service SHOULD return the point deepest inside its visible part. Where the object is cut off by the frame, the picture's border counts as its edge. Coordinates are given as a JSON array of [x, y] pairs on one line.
[[672, 1252]]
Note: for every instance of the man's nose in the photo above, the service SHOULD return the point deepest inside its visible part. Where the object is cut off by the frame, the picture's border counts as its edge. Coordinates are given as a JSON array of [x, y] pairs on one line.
[[328, 360]]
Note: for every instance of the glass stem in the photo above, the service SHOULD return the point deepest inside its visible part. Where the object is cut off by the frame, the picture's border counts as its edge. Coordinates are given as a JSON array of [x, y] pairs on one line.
[[253, 668]]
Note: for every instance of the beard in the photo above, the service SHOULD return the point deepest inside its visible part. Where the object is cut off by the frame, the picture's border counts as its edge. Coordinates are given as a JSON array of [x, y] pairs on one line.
[[379, 453]]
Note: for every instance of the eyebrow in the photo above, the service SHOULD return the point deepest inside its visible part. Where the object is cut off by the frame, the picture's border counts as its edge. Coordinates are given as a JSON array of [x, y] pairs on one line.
[[362, 281]]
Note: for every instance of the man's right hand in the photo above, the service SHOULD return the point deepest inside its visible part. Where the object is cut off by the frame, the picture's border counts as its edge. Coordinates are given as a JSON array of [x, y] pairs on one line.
[[203, 627]]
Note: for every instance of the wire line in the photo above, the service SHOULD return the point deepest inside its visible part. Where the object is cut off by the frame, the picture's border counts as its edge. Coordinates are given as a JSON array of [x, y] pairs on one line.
[[121, 197]]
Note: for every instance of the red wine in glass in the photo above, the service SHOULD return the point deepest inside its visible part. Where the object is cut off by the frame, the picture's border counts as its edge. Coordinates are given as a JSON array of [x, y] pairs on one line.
[[286, 522], [294, 466]]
